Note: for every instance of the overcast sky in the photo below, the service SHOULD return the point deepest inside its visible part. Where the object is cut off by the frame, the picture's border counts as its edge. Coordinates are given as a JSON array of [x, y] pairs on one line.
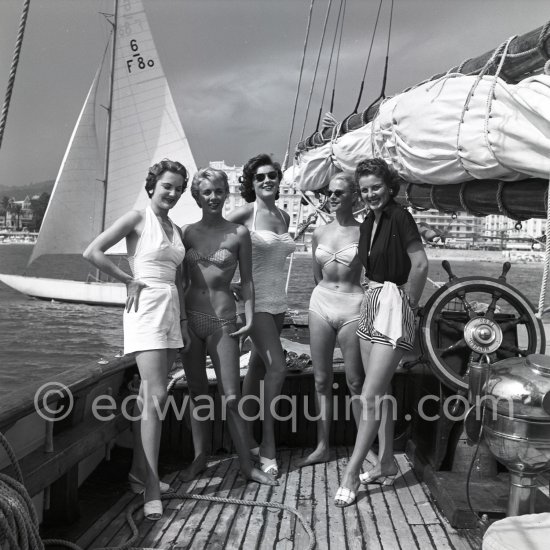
[[232, 65]]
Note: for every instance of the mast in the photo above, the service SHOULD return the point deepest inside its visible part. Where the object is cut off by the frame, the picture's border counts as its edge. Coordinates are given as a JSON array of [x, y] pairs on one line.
[[109, 118]]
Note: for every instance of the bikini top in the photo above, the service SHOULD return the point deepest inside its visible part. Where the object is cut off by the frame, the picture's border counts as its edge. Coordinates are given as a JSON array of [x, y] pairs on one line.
[[344, 256], [156, 257], [222, 258]]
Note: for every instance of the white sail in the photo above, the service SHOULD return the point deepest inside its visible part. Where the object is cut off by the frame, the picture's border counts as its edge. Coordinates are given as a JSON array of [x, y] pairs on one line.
[[73, 216], [145, 124]]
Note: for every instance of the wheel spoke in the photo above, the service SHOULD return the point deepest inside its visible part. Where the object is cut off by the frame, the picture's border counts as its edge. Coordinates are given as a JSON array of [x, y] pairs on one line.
[[514, 350], [454, 325], [507, 325], [460, 345], [490, 313]]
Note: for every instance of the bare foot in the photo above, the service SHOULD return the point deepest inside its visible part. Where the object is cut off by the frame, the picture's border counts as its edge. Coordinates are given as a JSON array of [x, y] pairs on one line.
[[195, 468], [316, 457], [260, 477]]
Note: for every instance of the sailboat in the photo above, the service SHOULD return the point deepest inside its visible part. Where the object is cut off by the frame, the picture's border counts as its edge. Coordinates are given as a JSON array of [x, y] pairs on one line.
[[93, 189]]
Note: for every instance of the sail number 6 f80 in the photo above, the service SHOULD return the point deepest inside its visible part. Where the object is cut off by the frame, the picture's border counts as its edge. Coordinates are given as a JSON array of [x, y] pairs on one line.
[[137, 60]]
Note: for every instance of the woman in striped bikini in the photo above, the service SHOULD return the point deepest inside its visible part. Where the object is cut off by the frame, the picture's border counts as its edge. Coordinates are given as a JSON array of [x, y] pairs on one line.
[[335, 305], [271, 245], [215, 247], [391, 250]]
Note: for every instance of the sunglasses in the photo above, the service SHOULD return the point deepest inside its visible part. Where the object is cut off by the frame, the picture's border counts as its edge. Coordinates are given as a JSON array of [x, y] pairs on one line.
[[261, 177], [337, 193]]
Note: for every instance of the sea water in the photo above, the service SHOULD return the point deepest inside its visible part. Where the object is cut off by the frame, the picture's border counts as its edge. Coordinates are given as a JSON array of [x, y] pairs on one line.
[[39, 338]]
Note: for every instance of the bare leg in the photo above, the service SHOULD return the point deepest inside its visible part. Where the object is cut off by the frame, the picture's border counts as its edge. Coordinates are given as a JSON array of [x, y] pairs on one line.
[[224, 352], [322, 338], [265, 337], [380, 362], [353, 365], [251, 386], [153, 368], [385, 464], [194, 364]]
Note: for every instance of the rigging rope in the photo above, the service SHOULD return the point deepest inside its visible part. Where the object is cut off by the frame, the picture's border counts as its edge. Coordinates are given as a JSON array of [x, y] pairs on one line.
[[308, 27], [383, 91], [337, 28], [338, 57], [13, 68], [368, 57], [329, 5]]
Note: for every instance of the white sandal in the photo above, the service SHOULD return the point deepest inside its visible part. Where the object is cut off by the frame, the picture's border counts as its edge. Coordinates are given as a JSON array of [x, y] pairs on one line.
[[138, 487], [152, 510], [269, 465]]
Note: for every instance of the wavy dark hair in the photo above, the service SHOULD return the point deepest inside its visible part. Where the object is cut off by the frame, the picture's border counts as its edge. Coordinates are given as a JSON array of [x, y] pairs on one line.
[[156, 171], [380, 168], [249, 171], [208, 174]]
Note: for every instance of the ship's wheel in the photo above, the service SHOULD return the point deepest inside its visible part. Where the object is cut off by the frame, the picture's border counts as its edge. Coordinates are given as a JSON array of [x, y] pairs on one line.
[[473, 316]]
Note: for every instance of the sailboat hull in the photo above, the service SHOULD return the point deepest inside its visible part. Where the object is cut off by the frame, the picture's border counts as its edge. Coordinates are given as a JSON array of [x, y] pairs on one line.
[[106, 294]]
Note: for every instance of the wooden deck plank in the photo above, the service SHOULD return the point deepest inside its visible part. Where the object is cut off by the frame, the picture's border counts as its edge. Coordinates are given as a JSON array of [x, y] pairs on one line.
[[439, 536], [419, 492], [352, 521], [414, 517], [195, 518], [320, 503], [383, 517], [179, 510], [422, 537], [236, 531], [304, 504], [335, 516], [213, 524], [274, 516], [258, 519], [287, 525]]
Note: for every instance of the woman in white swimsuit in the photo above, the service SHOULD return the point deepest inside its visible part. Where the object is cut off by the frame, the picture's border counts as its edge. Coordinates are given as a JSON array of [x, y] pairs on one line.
[[271, 245], [334, 307], [155, 326], [215, 247]]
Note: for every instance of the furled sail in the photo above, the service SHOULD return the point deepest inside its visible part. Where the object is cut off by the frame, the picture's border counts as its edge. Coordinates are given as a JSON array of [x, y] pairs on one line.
[[78, 190], [487, 125]]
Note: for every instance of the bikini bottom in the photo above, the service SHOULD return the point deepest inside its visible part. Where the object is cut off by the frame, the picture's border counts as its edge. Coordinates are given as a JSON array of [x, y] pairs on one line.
[[204, 325], [336, 308]]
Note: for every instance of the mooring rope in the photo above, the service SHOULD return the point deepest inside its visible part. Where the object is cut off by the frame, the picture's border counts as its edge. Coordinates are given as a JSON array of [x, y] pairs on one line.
[[19, 527], [13, 69], [544, 283]]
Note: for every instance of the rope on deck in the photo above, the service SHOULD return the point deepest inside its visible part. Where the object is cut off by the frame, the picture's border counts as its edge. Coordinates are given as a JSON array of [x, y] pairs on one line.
[[19, 527]]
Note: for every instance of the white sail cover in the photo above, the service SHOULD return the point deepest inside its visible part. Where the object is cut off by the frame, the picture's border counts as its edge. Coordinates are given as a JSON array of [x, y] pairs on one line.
[[455, 129], [73, 216]]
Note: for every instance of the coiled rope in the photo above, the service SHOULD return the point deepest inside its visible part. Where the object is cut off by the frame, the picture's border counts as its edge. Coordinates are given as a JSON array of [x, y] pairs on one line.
[[13, 69], [19, 528]]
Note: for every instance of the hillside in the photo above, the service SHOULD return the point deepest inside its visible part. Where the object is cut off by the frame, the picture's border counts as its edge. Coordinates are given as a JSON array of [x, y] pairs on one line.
[[19, 192]]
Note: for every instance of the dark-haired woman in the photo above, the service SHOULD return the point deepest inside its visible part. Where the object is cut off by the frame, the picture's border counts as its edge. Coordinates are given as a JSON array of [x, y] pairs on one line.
[[271, 245], [155, 326], [391, 250]]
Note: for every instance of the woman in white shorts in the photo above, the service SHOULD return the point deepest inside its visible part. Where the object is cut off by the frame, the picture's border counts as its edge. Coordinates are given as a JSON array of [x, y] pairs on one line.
[[155, 326]]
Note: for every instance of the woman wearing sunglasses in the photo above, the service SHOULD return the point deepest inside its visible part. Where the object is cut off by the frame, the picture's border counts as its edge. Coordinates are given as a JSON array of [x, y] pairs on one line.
[[334, 306], [271, 245]]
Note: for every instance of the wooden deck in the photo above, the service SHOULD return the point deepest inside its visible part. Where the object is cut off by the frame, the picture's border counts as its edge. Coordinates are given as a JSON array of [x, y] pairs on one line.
[[390, 518]]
